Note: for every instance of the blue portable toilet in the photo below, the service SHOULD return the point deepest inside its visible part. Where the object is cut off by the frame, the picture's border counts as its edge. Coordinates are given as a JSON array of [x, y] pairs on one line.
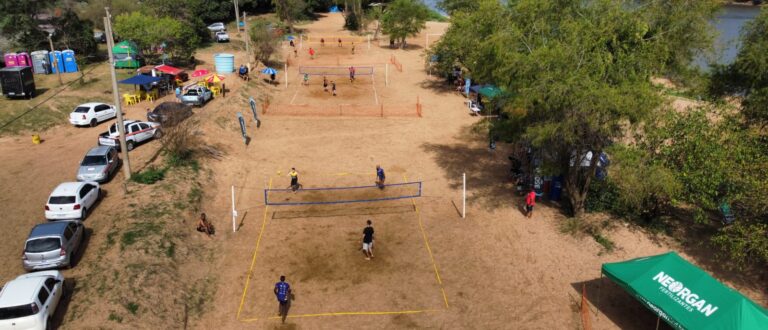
[[70, 64], [56, 61], [556, 189]]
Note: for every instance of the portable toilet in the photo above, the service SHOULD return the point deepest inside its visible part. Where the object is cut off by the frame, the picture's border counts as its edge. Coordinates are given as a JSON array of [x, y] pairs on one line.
[[10, 60], [126, 55], [22, 59], [40, 62], [70, 63], [57, 61]]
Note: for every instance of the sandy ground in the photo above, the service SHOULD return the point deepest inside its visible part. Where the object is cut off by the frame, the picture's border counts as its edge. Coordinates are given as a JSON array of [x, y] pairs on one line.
[[497, 269]]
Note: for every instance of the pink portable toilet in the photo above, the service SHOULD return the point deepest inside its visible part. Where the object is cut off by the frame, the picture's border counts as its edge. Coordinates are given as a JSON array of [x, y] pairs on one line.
[[23, 59], [10, 60]]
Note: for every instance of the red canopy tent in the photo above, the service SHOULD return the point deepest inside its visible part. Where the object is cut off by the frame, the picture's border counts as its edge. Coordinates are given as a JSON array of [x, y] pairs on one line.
[[168, 69]]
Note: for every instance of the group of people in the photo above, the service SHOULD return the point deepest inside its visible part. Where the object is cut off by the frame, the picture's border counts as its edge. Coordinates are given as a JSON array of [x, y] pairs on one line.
[[295, 185]]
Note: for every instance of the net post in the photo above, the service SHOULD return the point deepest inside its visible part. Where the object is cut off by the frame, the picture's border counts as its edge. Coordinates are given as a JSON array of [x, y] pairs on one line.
[[234, 212], [285, 67], [386, 74], [464, 196]]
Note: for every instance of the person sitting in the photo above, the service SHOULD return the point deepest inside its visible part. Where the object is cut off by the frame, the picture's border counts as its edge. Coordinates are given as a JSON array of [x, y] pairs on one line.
[[243, 72], [272, 78], [204, 226]]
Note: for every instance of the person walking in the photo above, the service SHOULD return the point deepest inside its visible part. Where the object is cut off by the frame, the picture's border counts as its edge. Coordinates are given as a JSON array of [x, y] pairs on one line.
[[178, 93], [368, 240], [283, 294], [339, 42], [294, 179], [306, 79], [530, 201], [312, 53], [333, 88], [325, 84], [380, 177], [351, 74]]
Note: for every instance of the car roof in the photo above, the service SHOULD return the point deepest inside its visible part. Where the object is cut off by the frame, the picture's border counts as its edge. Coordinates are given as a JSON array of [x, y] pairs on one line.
[[98, 151], [90, 104], [66, 188], [52, 228], [21, 291]]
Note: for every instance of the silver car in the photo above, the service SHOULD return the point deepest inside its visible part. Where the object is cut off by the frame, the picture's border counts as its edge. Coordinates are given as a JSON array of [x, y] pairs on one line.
[[52, 245], [98, 164]]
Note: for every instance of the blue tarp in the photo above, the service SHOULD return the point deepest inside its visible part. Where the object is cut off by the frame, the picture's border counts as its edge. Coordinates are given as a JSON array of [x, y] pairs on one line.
[[334, 9], [140, 80]]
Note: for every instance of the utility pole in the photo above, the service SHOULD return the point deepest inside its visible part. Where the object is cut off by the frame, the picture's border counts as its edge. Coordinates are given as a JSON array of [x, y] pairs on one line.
[[116, 94], [55, 59], [237, 16], [247, 38]]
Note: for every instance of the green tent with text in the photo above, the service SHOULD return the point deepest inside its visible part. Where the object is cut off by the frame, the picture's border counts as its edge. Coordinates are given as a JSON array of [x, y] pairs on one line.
[[685, 296]]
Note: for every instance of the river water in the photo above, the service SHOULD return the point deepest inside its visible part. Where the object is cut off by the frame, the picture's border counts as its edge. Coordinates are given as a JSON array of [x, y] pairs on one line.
[[728, 24]]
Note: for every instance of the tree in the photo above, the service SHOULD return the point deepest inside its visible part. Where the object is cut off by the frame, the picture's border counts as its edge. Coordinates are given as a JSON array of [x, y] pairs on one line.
[[748, 74], [404, 18], [452, 6], [75, 34], [150, 32], [265, 42], [576, 74], [289, 10]]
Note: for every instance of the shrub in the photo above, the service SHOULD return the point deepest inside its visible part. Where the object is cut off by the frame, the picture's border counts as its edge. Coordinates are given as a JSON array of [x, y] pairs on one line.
[[149, 176]]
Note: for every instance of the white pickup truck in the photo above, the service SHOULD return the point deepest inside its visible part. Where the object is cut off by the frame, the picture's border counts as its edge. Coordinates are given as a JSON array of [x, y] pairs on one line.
[[135, 132], [196, 95]]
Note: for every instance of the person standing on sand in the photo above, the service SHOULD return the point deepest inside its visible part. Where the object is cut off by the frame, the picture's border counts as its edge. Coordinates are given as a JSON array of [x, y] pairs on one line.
[[322, 42], [292, 44], [352, 74], [294, 179], [368, 241], [333, 88], [283, 294], [339, 42], [306, 79], [380, 177], [530, 201], [353, 48], [325, 84], [311, 53]]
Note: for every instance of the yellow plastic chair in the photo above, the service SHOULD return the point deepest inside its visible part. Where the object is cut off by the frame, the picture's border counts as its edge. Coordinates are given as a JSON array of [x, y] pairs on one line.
[[151, 96], [129, 99], [216, 90]]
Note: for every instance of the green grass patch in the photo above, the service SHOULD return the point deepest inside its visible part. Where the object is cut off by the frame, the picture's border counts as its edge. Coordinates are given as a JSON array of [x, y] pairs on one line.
[[149, 176], [132, 307], [195, 196], [138, 231], [115, 317]]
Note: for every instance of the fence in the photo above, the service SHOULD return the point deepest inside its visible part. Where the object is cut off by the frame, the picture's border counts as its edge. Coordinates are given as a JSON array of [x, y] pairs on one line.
[[396, 63], [344, 110]]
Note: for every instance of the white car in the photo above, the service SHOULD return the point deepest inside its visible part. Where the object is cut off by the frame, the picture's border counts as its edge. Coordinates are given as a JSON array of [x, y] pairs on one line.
[[135, 132], [30, 301], [72, 200], [92, 114], [222, 36], [216, 27]]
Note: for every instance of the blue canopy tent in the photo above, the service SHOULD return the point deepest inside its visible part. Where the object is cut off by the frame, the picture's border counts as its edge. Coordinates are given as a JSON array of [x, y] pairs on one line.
[[142, 80]]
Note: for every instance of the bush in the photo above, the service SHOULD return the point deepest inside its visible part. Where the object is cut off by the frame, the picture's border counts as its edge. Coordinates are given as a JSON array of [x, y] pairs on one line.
[[180, 143], [149, 176], [352, 22], [603, 196]]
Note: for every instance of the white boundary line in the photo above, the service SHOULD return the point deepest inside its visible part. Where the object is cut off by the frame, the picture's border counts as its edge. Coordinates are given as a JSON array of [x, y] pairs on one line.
[[375, 95], [294, 96]]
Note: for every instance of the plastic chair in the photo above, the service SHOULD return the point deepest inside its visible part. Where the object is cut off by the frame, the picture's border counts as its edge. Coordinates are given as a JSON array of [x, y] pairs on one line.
[[474, 108], [129, 99], [216, 90]]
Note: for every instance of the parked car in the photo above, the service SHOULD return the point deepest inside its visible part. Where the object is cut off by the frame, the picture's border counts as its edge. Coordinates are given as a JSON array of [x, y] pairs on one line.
[[17, 81], [136, 132], [52, 245], [216, 27], [100, 37], [92, 114], [222, 36], [99, 164], [72, 200], [169, 113], [197, 95], [30, 300]]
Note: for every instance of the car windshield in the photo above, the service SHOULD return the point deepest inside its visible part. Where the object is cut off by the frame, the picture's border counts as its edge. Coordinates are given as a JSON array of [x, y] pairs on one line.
[[43, 245], [82, 109], [94, 160], [192, 92], [61, 200], [14, 312]]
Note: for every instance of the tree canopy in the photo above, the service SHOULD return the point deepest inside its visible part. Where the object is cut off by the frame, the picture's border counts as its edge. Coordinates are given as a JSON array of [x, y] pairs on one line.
[[404, 18], [149, 32], [576, 74]]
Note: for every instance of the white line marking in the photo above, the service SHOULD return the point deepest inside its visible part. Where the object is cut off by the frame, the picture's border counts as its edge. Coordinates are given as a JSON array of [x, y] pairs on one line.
[[375, 95], [294, 96]]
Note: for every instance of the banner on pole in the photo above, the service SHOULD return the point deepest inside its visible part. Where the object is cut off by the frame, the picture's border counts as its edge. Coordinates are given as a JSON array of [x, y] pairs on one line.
[[242, 127]]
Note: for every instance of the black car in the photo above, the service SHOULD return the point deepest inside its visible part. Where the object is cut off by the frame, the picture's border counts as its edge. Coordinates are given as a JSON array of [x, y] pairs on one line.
[[169, 113]]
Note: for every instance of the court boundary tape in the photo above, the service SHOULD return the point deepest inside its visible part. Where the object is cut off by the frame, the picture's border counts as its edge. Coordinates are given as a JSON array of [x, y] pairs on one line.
[[253, 259]]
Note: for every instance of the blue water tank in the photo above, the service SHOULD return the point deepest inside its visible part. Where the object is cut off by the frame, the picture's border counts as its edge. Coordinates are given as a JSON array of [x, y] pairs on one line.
[[225, 63], [57, 60], [70, 64]]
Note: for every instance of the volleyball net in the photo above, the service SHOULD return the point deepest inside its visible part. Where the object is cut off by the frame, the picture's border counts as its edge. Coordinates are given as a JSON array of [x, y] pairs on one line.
[[342, 195], [334, 39], [335, 70]]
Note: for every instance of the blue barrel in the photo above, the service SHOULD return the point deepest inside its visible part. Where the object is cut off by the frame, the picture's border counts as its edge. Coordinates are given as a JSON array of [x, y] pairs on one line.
[[225, 63], [556, 188], [70, 64], [56, 60]]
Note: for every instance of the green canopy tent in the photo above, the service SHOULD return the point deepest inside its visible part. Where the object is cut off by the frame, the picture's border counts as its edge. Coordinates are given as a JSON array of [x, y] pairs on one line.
[[685, 296]]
